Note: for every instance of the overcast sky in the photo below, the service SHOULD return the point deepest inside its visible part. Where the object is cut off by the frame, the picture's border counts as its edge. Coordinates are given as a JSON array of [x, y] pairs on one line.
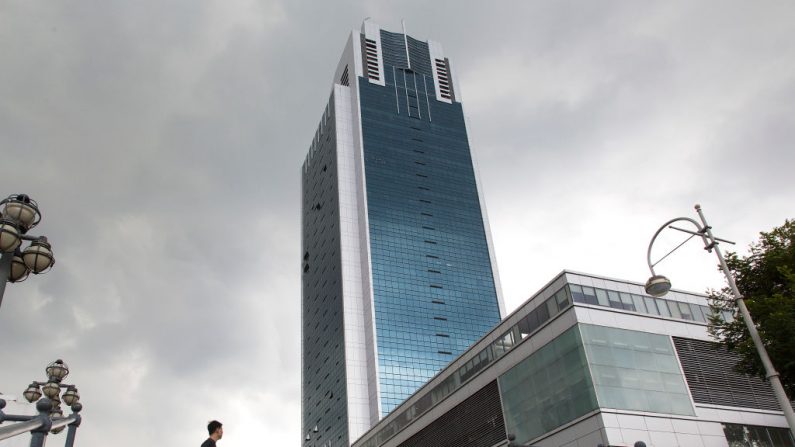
[[163, 141]]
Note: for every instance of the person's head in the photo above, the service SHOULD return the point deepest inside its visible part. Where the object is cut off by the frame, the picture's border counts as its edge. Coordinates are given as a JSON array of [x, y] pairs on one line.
[[215, 429]]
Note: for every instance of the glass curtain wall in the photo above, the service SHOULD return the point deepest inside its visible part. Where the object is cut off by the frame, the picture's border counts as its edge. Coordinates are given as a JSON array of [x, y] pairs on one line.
[[635, 370], [587, 367], [549, 388]]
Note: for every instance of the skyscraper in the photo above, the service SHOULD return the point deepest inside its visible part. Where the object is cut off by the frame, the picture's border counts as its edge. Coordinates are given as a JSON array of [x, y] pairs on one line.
[[398, 272]]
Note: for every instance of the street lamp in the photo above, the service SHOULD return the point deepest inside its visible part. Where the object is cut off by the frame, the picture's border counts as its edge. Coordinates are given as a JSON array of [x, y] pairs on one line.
[[18, 215], [47, 396], [659, 285], [56, 372]]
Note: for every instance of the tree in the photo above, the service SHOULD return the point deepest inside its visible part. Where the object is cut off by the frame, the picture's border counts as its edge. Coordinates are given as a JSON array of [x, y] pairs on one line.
[[766, 279]]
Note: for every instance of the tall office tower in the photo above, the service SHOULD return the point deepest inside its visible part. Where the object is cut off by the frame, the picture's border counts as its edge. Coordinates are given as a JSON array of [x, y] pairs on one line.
[[398, 273]]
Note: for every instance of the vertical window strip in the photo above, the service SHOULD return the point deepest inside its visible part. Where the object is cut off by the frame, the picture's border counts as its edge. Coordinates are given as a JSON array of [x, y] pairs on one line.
[[427, 101], [416, 92], [405, 86], [397, 100]]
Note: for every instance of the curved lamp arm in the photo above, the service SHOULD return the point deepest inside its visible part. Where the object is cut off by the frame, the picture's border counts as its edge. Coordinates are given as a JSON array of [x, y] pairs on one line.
[[664, 226]]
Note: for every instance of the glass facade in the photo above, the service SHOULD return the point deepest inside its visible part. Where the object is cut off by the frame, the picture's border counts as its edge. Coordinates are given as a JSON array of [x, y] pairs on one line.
[[323, 391], [433, 287], [635, 370], [486, 356], [549, 388], [755, 436]]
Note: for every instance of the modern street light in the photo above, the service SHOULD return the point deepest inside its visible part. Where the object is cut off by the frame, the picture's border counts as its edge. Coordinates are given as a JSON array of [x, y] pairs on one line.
[[659, 285], [19, 215], [50, 418]]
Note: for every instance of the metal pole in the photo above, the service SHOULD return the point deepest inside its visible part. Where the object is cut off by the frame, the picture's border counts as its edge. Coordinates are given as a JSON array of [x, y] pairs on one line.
[[70, 435], [770, 371], [37, 438], [19, 428], [5, 271], [39, 435]]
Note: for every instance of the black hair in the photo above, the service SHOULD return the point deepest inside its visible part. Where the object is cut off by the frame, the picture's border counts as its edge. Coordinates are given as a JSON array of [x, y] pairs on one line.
[[213, 426]]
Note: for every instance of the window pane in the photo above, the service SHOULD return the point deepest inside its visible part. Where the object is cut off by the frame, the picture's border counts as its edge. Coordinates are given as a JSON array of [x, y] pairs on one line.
[[524, 327], [590, 295], [552, 306], [695, 309], [562, 299], [663, 308], [502, 344], [626, 300], [650, 306], [543, 314], [638, 301], [532, 321], [684, 309], [576, 293], [615, 300], [781, 437], [672, 306], [601, 298], [568, 293]]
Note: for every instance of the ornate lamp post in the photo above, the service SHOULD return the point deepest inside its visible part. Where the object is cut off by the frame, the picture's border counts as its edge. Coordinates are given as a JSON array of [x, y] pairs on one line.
[[659, 285], [50, 418], [19, 214]]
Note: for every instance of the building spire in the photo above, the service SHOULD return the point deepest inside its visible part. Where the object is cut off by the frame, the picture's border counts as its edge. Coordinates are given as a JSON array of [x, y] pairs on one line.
[[406, 42]]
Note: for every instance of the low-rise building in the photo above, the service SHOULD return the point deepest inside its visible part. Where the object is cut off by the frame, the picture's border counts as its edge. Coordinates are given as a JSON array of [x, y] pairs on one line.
[[588, 361]]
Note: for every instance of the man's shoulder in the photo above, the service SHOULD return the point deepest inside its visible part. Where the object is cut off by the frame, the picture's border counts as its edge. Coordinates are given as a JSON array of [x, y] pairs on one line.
[[208, 443]]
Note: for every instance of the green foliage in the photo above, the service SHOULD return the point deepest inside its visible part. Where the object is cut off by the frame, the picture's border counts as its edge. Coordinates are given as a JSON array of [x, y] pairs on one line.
[[766, 279]]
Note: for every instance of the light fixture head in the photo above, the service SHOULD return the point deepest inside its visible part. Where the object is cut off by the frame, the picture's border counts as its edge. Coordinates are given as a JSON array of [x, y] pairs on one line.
[[56, 413], [32, 393], [51, 390], [38, 256], [9, 235], [23, 210], [19, 271], [57, 371], [71, 396], [658, 285]]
